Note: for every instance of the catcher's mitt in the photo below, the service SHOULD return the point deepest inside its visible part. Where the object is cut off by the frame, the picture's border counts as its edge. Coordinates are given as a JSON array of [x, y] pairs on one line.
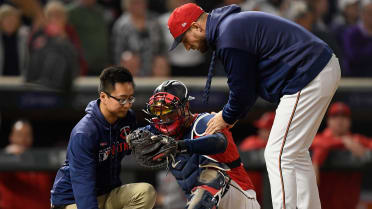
[[152, 151]]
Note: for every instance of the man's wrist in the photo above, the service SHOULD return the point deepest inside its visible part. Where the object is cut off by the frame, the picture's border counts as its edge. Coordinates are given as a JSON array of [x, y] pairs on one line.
[[226, 119], [182, 146]]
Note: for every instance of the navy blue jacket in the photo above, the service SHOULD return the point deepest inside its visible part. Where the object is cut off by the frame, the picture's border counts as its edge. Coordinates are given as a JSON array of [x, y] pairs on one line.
[[93, 160], [263, 55]]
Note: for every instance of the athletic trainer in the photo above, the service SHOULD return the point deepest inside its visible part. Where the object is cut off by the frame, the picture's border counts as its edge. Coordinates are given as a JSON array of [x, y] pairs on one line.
[[90, 177]]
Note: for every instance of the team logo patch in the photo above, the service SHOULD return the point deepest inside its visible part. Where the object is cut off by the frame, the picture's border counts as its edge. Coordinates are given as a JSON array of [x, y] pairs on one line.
[[124, 132], [118, 146], [103, 154]]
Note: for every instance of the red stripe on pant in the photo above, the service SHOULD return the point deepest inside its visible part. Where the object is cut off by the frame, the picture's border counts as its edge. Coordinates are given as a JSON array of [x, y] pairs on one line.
[[282, 147]]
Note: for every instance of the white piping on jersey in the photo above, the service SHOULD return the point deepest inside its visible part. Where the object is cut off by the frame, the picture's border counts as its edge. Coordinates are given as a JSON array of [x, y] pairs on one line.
[[194, 126], [206, 156]]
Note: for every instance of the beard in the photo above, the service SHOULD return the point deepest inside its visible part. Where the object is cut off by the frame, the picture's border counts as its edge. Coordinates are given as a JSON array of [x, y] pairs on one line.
[[203, 48]]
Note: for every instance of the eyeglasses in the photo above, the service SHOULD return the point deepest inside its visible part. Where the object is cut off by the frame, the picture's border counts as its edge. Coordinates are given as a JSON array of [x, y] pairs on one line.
[[123, 101]]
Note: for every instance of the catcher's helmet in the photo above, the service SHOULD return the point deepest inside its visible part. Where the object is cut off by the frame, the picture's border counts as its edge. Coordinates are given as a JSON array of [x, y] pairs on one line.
[[164, 105], [176, 88]]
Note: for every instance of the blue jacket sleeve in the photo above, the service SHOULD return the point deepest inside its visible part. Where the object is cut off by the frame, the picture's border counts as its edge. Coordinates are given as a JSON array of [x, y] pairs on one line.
[[82, 161], [240, 67]]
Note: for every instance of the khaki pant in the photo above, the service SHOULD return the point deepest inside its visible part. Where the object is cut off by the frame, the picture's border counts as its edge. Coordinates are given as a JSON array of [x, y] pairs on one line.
[[128, 196]]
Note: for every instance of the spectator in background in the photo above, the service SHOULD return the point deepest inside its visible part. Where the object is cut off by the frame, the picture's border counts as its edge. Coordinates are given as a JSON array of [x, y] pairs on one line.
[[357, 44], [275, 7], [258, 142], [229, 2], [53, 58], [22, 189], [32, 9], [20, 138], [306, 15], [319, 9], [138, 42], [349, 12], [246, 5], [87, 17], [301, 13], [348, 15], [13, 42], [182, 63], [338, 190], [56, 19]]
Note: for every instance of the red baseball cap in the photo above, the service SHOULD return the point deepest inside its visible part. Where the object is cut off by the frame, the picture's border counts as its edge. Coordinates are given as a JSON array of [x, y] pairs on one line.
[[339, 108], [180, 21], [266, 120]]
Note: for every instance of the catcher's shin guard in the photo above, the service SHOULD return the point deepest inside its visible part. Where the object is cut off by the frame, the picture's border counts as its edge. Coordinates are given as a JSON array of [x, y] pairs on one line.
[[212, 185], [201, 199]]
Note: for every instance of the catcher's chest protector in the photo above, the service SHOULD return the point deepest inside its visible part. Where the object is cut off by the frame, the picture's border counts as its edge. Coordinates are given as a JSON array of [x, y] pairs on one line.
[[186, 168]]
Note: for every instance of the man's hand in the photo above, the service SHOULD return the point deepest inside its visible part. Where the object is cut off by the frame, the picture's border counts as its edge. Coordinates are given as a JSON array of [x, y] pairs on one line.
[[356, 148], [216, 124], [169, 146]]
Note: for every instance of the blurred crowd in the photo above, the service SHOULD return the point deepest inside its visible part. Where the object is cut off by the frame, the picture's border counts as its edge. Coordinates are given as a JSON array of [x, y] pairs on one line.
[[52, 42]]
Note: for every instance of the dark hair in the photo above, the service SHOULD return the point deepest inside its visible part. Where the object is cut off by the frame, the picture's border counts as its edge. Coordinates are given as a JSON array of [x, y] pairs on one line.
[[112, 75]]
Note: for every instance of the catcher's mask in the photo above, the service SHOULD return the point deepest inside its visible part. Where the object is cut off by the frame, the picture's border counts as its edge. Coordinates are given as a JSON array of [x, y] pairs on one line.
[[166, 107]]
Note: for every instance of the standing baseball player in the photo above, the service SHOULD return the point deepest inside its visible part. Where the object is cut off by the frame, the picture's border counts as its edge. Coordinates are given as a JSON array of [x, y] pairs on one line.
[[89, 178], [207, 168], [278, 60]]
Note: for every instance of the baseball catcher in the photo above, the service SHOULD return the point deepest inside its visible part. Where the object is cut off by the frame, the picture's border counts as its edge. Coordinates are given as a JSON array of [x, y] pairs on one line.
[[207, 168]]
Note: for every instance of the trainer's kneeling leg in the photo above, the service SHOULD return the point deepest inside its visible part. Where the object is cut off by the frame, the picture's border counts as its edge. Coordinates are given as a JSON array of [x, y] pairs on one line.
[[211, 186], [131, 196]]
